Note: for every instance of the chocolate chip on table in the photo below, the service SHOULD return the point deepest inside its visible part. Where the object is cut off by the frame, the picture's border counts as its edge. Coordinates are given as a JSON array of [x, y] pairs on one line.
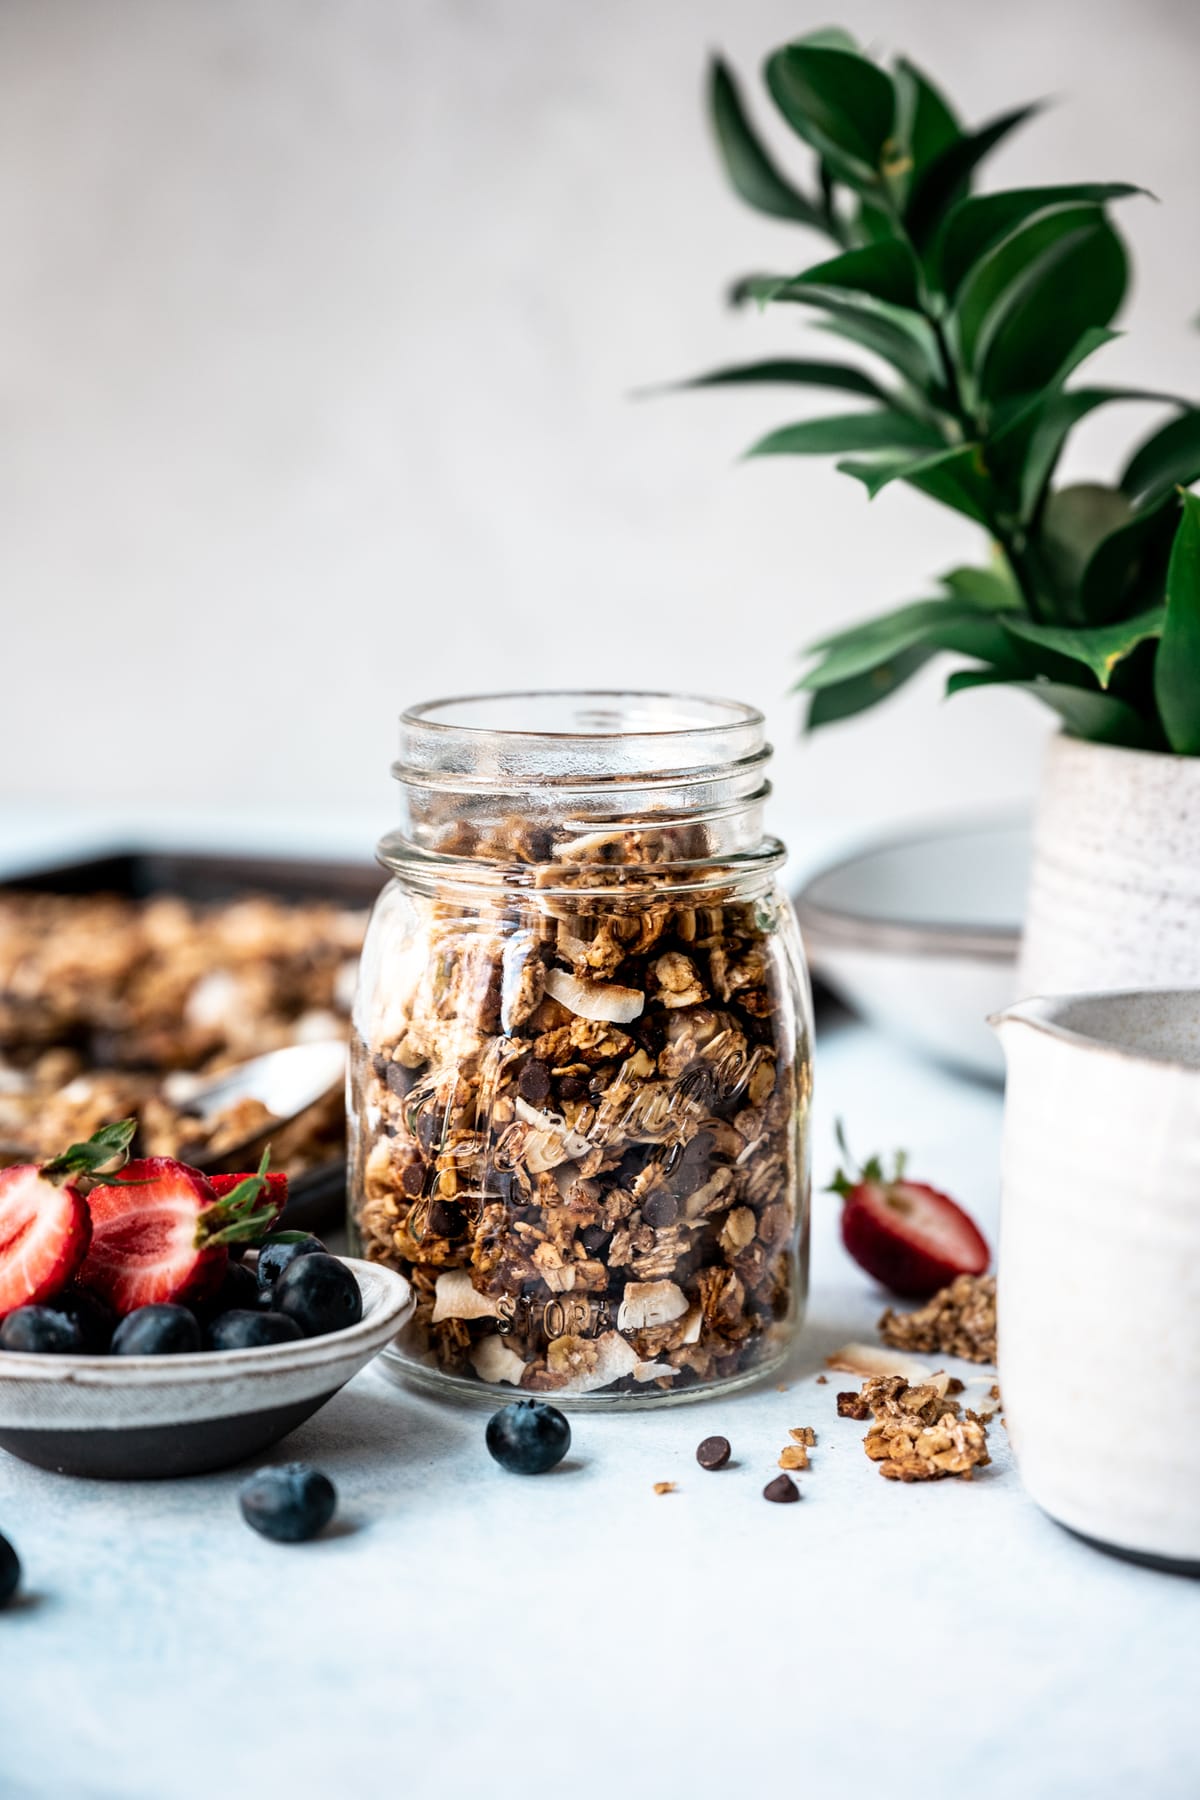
[[533, 1083], [782, 1489], [660, 1209], [713, 1453]]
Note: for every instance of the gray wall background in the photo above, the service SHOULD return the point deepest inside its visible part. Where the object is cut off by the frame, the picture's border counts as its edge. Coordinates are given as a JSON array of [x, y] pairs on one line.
[[318, 322]]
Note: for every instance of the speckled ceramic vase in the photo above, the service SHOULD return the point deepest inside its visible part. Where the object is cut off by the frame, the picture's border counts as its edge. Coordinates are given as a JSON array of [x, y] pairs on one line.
[[1114, 898], [1099, 1292]]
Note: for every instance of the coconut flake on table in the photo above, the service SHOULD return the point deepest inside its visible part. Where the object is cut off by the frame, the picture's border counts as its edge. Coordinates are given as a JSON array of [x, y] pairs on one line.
[[871, 1359], [456, 1297], [601, 1001]]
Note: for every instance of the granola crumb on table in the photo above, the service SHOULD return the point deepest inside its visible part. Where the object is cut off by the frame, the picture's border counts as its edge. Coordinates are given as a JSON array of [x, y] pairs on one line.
[[579, 1108], [960, 1320], [917, 1433]]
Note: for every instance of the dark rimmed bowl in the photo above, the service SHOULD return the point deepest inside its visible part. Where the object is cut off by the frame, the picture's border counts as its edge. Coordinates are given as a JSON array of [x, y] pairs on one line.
[[134, 1418]]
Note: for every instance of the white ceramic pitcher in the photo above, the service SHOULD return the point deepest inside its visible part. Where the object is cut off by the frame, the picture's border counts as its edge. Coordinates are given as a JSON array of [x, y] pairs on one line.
[[1099, 1265]]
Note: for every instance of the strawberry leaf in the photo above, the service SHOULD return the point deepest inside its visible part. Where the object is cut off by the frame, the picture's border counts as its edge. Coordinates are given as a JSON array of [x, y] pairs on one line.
[[237, 1218], [109, 1144]]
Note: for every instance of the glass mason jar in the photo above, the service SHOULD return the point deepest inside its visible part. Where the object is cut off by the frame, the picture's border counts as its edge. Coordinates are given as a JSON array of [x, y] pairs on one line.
[[582, 1053]]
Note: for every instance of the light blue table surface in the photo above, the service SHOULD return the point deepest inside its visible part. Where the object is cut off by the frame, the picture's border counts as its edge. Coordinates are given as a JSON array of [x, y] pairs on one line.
[[465, 1632]]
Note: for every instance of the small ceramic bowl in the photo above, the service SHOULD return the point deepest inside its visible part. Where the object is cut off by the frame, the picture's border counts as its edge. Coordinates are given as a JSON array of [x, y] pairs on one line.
[[131, 1418]]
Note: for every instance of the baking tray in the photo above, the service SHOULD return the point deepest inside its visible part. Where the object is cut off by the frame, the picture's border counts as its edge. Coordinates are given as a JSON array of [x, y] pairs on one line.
[[318, 1198]]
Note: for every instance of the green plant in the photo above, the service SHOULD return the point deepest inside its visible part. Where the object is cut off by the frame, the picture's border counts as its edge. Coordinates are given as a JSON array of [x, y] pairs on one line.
[[982, 308]]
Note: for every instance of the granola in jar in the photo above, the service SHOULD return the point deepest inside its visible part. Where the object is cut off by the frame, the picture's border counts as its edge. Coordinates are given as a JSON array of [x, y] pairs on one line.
[[581, 1071]]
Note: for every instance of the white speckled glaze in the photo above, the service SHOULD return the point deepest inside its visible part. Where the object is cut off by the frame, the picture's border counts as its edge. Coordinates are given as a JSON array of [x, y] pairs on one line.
[[1114, 897], [1099, 1265]]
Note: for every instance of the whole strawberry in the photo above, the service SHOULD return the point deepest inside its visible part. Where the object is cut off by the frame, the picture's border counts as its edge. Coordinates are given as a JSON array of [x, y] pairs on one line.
[[909, 1236]]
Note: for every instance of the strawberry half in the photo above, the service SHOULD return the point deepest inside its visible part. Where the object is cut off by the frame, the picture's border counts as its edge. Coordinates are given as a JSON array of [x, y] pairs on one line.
[[159, 1234], [45, 1226], [909, 1236]]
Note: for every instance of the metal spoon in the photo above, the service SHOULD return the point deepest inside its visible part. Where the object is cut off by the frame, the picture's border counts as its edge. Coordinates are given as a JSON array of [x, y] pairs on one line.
[[287, 1082]]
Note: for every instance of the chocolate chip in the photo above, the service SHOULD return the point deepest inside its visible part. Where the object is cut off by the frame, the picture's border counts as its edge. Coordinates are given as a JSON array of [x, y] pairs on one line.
[[595, 1239], [783, 1489], [429, 1129], [446, 1218], [713, 1453], [533, 1083], [660, 1209], [574, 1087], [399, 1079], [412, 1179]]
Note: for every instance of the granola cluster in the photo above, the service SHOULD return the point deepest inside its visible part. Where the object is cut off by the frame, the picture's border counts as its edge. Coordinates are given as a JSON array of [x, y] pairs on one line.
[[918, 1433], [576, 1122], [960, 1320], [103, 998]]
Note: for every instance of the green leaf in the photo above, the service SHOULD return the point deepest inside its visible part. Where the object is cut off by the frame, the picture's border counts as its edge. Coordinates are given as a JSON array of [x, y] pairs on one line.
[[1014, 422], [886, 429], [993, 589], [956, 477], [1098, 647], [927, 122], [838, 101], [1169, 458], [783, 372], [1058, 417], [1101, 718], [939, 624], [862, 691], [947, 177], [1177, 664], [1075, 285], [1129, 563], [1074, 522], [749, 167], [978, 223], [903, 341], [996, 282], [885, 271]]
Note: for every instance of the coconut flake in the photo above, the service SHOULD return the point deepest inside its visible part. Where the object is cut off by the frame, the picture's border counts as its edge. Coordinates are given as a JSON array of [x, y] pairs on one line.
[[869, 1359], [653, 1371], [649, 1303], [495, 1361], [551, 1140], [691, 1325], [614, 1360], [456, 1297], [599, 1000]]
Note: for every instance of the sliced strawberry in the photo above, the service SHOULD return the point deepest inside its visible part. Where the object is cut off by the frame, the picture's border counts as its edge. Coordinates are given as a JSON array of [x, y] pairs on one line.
[[44, 1235], [275, 1196], [144, 1230], [909, 1236]]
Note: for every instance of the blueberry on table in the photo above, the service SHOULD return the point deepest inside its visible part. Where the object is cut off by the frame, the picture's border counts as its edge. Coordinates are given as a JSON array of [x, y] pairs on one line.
[[320, 1293], [157, 1331], [246, 1328], [289, 1504], [40, 1329], [528, 1437], [10, 1571], [279, 1253]]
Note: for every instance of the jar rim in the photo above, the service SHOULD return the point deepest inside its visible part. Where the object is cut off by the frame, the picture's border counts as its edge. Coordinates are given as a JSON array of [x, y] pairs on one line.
[[714, 714]]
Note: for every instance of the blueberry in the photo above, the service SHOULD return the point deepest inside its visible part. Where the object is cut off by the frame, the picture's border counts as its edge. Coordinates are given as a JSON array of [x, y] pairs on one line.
[[320, 1293], [239, 1288], [288, 1504], [10, 1571], [157, 1331], [528, 1437], [276, 1256], [245, 1328], [38, 1328], [95, 1319]]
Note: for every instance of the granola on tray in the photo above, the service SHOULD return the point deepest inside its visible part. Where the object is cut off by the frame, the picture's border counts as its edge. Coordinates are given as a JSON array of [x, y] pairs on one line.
[[578, 1107]]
